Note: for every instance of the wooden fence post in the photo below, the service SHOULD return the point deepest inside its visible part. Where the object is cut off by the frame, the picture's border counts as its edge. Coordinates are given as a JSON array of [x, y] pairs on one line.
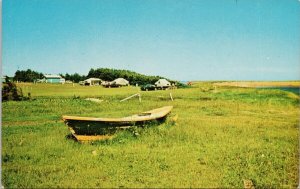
[[171, 96]]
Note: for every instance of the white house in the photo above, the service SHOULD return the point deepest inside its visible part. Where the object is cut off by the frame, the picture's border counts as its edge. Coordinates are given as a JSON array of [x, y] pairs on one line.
[[120, 82], [92, 81], [163, 83]]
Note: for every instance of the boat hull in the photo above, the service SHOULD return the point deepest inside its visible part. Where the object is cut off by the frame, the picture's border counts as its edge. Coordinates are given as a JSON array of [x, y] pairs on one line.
[[104, 126]]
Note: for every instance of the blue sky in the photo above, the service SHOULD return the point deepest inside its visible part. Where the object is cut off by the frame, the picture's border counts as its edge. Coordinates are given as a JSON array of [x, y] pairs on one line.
[[181, 40]]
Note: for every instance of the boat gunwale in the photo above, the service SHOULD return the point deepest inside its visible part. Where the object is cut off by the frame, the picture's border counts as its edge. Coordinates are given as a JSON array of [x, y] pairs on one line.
[[155, 114]]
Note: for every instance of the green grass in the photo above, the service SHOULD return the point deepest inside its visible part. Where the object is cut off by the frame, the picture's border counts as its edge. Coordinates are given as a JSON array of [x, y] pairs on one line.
[[222, 136]]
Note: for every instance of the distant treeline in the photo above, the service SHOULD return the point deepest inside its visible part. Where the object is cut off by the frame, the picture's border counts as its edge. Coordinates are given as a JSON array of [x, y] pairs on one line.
[[105, 74], [74, 77], [27, 75], [32, 76]]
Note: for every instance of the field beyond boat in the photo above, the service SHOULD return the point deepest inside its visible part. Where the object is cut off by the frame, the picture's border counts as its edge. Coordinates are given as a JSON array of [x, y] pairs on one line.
[[223, 136], [259, 84]]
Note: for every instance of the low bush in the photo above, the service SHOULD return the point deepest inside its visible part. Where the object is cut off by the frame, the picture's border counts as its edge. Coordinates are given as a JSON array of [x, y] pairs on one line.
[[11, 92]]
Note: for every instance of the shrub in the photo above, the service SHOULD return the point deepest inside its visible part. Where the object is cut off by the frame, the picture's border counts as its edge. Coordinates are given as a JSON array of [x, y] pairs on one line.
[[11, 92]]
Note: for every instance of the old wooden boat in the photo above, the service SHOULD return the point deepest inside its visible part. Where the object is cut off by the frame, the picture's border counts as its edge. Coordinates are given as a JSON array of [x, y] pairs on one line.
[[82, 126]]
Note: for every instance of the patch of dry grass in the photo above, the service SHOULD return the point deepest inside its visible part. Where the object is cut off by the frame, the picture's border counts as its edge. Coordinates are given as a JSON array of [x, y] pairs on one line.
[[259, 84]]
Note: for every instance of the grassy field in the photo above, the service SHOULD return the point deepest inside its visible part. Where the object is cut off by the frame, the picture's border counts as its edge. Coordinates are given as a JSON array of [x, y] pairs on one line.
[[222, 136], [260, 84]]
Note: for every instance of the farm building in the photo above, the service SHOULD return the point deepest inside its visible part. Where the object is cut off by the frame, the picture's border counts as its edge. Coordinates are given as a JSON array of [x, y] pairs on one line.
[[53, 79], [92, 81], [163, 83]]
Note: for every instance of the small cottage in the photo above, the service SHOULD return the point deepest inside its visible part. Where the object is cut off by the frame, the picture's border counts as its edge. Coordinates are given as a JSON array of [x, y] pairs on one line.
[[120, 82], [53, 79], [92, 81], [163, 83]]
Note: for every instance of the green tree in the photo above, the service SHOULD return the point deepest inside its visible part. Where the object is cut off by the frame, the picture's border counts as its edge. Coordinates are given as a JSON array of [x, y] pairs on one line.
[[74, 77], [27, 75], [133, 77]]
